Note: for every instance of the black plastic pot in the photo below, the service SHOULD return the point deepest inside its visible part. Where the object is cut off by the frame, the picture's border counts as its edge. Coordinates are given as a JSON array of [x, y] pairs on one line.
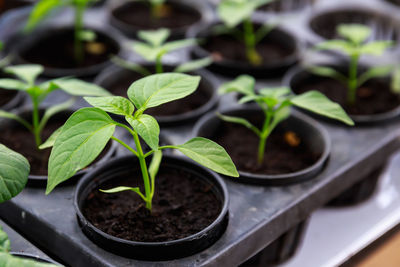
[[23, 46], [154, 251], [310, 131], [40, 180], [195, 12], [16, 97], [32, 257], [7, 5], [299, 75], [109, 78], [281, 250], [269, 69]]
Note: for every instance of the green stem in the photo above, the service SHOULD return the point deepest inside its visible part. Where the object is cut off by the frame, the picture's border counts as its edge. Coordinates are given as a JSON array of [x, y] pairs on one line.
[[352, 83], [250, 43], [78, 45], [264, 135], [156, 11], [125, 145], [159, 66], [35, 122]]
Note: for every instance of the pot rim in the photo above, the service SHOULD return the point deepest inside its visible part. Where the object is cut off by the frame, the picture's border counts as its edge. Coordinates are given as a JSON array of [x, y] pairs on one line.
[[216, 179], [33, 257]]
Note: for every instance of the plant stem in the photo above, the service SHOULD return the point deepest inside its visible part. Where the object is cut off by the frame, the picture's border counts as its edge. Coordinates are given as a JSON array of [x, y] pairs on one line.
[[352, 83], [78, 46], [264, 135], [35, 122], [250, 43], [156, 11], [159, 66], [145, 173]]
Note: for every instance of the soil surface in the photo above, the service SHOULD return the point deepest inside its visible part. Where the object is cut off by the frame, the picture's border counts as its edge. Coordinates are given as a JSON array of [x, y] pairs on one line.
[[138, 14], [226, 47], [6, 96], [182, 205], [56, 50], [192, 102], [374, 97], [285, 152], [22, 141]]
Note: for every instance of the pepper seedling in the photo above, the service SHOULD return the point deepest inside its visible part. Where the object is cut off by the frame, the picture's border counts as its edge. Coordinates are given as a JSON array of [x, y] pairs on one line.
[[43, 7], [27, 75], [235, 12], [14, 173], [154, 47], [87, 131], [157, 8], [275, 103], [354, 45]]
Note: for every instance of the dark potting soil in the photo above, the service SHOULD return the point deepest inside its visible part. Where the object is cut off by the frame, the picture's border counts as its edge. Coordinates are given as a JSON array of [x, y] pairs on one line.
[[56, 50], [182, 205], [21, 140], [374, 97], [226, 47], [192, 102], [6, 96], [285, 152], [138, 14]]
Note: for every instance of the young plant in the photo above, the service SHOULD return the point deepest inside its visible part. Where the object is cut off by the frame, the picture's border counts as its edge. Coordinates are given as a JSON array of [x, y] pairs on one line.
[[27, 75], [88, 130], [14, 173], [44, 7], [354, 44], [157, 8], [275, 103], [236, 12], [154, 47]]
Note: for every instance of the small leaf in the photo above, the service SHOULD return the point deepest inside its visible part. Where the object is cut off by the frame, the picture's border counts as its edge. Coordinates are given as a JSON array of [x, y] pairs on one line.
[[357, 33], [82, 138], [130, 66], [327, 72], [376, 48], [124, 188], [146, 51], [318, 103], [280, 115], [162, 88], [39, 12], [194, 65], [113, 104], [155, 165], [175, 45], [14, 173], [276, 92], [374, 72], [4, 241], [51, 140], [12, 116], [27, 73], [395, 84], [156, 37], [249, 98], [243, 84], [210, 155], [148, 129], [53, 110], [339, 45], [87, 35], [13, 84], [80, 88], [8, 260], [241, 121]]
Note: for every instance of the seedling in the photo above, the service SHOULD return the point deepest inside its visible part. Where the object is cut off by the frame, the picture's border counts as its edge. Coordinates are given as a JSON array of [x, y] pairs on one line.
[[275, 103], [14, 173], [157, 8], [27, 75], [44, 7], [154, 47], [354, 45], [236, 12], [88, 130]]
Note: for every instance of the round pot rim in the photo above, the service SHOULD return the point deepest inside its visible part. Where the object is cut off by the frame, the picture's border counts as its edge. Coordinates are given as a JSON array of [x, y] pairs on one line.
[[32, 257], [285, 176], [84, 181], [123, 26], [105, 30], [205, 75], [358, 119]]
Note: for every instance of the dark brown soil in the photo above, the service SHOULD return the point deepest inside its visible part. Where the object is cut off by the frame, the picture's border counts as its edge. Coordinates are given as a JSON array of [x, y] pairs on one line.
[[226, 47], [373, 97], [56, 50], [6, 96], [138, 14], [279, 158], [22, 141], [182, 205], [192, 102]]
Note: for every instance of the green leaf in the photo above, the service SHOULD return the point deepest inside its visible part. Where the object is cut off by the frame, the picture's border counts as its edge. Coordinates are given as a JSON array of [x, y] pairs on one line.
[[179, 44], [13, 84], [147, 51], [374, 72], [241, 121], [5, 245], [14, 171], [376, 48], [395, 84], [356, 33], [210, 155], [82, 138], [316, 102], [279, 116], [194, 65], [124, 188], [12, 116], [27, 73], [87, 35], [8, 260], [80, 88], [162, 88], [249, 98], [327, 72], [275, 92], [338, 45], [155, 165], [51, 140], [155, 38], [113, 104], [40, 11], [130, 66], [147, 127], [53, 110], [243, 84]]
